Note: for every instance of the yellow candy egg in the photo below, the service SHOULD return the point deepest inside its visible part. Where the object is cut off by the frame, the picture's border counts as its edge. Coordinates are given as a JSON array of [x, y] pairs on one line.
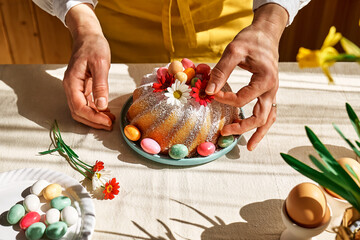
[[190, 72], [175, 67], [132, 133], [181, 76], [52, 191]]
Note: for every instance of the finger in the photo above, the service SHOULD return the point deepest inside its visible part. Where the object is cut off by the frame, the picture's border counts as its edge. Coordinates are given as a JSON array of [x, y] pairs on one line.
[[258, 85], [259, 118], [110, 115], [100, 70], [91, 124], [221, 72], [261, 131]]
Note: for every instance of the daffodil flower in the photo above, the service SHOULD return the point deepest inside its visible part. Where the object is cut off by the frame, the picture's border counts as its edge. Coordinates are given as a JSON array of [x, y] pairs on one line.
[[324, 58]]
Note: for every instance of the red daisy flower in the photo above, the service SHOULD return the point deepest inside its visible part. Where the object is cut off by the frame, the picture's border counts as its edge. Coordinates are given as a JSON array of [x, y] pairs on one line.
[[111, 189], [163, 82], [98, 166], [199, 93]]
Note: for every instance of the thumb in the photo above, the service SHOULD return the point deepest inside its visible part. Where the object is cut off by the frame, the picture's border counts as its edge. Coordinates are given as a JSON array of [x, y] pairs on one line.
[[100, 86], [221, 72]]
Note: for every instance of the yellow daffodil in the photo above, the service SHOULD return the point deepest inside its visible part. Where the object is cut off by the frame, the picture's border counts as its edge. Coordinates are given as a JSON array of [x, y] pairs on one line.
[[324, 58], [350, 47]]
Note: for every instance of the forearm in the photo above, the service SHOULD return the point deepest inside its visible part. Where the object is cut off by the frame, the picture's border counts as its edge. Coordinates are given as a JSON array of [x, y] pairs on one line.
[[81, 21], [271, 19]]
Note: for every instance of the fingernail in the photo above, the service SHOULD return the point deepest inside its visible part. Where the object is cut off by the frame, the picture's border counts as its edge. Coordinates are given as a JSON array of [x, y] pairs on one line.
[[254, 146], [210, 88], [101, 103]]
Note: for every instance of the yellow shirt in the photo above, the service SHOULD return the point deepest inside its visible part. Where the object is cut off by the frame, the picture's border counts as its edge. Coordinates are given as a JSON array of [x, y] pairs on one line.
[[142, 31]]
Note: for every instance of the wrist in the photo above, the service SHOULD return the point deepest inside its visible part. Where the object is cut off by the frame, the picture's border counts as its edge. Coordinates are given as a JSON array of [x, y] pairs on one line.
[[272, 19], [82, 21]]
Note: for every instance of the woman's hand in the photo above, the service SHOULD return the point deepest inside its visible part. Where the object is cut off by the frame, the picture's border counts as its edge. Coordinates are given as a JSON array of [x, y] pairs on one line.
[[254, 49], [86, 78]]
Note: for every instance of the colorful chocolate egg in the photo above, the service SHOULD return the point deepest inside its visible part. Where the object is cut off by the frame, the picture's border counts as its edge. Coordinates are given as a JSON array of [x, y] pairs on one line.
[[190, 72], [56, 230], [35, 231], [52, 191], [31, 203], [161, 72], [52, 216], [193, 81], [175, 67], [132, 133], [181, 76], [29, 219], [15, 214], [38, 187], [206, 149], [178, 151], [187, 63], [69, 215], [150, 146], [60, 202], [225, 141], [203, 68]]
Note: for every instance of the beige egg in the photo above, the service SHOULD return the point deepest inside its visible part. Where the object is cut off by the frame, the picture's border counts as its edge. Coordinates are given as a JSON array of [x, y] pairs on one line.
[[355, 165], [52, 191], [306, 205], [181, 76], [175, 67]]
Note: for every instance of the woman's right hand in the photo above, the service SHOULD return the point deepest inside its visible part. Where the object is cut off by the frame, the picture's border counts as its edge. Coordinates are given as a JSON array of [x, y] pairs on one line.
[[86, 78]]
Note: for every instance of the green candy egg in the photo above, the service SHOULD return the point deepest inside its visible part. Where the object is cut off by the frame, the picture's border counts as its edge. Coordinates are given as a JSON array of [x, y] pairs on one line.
[[193, 81], [35, 231], [60, 202], [225, 141], [56, 230], [15, 213], [178, 151]]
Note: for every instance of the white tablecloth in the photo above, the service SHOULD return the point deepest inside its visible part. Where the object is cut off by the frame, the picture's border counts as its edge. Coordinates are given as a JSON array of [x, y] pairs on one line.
[[238, 196]]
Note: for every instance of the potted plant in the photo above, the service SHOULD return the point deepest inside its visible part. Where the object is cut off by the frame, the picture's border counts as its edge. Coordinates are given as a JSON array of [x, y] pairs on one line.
[[332, 176]]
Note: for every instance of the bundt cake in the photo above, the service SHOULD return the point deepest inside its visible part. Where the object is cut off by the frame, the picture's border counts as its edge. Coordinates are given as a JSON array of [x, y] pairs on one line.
[[172, 108]]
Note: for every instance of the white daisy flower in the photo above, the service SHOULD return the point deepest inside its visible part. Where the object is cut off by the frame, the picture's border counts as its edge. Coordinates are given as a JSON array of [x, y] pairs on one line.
[[178, 93], [100, 178]]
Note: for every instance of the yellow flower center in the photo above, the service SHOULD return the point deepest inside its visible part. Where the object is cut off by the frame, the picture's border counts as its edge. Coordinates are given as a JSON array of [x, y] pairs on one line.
[[109, 188], [98, 175], [177, 94]]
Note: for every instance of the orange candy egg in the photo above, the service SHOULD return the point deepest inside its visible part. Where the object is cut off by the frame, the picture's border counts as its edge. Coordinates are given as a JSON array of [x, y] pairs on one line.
[[190, 72], [132, 133], [175, 67]]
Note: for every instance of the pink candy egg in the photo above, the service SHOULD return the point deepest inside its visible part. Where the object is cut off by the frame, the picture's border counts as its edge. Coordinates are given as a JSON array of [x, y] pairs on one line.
[[161, 72], [206, 149], [29, 219], [203, 68], [150, 146], [187, 63]]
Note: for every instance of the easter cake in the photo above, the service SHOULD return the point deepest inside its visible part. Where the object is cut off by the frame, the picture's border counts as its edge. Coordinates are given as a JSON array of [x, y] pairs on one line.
[[171, 114]]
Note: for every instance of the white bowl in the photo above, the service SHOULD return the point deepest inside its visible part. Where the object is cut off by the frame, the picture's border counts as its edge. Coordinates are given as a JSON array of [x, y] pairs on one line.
[[338, 207], [296, 232]]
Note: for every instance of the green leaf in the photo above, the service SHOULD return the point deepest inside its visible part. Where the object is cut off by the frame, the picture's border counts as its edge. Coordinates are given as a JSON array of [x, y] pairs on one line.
[[352, 171], [347, 140], [321, 166], [331, 183], [353, 118]]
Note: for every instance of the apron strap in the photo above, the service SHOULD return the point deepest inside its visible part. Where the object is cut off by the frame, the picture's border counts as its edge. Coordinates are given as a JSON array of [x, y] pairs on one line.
[[187, 21]]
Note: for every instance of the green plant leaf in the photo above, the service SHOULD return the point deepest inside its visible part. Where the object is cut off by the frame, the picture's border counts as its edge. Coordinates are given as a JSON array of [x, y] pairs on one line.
[[352, 171], [320, 165], [352, 196], [353, 118], [347, 140]]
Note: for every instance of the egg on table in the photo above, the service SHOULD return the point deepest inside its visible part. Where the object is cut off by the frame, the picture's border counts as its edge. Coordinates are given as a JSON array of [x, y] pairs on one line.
[[355, 165], [306, 205]]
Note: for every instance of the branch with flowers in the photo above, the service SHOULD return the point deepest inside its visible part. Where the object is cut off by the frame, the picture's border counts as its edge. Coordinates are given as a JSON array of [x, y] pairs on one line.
[[327, 55], [100, 177]]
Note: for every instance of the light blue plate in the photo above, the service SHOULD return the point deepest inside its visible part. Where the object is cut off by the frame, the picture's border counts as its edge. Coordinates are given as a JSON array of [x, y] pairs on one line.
[[166, 159]]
